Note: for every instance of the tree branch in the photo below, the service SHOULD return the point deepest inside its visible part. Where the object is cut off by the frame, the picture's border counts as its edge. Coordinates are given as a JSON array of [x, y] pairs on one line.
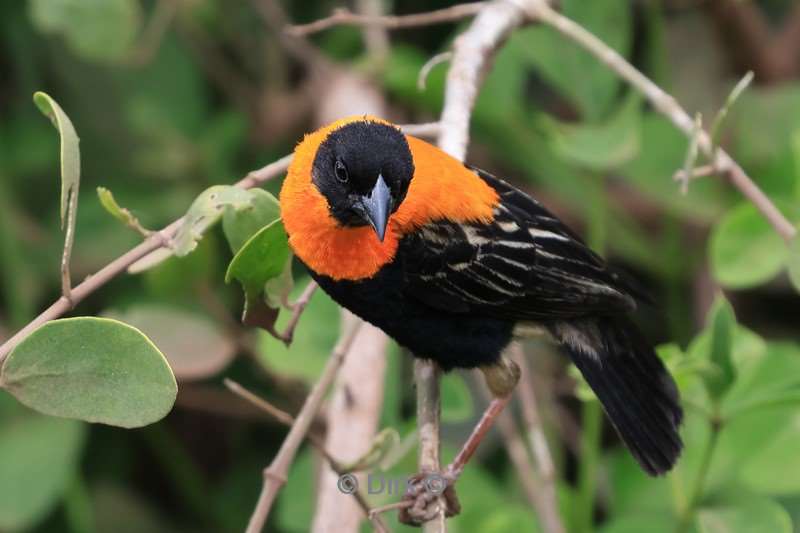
[[426, 376], [288, 420], [344, 17], [275, 474], [666, 105], [472, 51]]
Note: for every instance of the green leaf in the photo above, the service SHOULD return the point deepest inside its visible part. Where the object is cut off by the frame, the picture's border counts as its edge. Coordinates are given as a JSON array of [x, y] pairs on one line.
[[120, 213], [794, 262], [70, 153], [747, 516], [605, 145], [204, 212], [92, 369], [98, 30], [195, 347], [457, 405], [765, 471], [38, 457], [240, 225], [722, 323], [578, 75], [260, 260], [745, 250]]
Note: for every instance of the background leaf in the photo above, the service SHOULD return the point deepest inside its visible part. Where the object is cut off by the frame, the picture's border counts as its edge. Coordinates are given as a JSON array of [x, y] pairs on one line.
[[38, 458]]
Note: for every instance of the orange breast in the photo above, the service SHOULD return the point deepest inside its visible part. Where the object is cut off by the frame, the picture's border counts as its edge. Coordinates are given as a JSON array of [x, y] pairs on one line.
[[442, 188]]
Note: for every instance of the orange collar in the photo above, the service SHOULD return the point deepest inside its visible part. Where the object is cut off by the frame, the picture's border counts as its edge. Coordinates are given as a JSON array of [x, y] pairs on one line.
[[442, 188]]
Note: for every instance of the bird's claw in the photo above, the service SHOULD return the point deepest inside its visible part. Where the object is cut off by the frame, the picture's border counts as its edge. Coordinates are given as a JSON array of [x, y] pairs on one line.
[[428, 493]]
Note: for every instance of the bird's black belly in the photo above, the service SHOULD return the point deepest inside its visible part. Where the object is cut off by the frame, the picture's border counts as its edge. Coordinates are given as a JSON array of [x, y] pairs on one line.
[[453, 340]]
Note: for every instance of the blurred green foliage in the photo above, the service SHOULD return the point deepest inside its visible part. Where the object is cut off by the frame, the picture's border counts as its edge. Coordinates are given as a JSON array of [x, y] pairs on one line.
[[172, 98]]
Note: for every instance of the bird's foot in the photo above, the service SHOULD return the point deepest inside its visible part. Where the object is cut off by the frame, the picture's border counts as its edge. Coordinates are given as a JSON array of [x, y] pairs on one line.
[[428, 494]]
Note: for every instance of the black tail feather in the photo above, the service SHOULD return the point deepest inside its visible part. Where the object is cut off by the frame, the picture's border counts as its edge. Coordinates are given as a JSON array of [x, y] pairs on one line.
[[636, 391]]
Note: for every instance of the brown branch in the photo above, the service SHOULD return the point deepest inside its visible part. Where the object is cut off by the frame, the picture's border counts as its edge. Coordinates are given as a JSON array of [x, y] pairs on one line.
[[288, 420], [275, 474], [426, 376], [297, 309], [547, 491], [472, 51], [164, 13], [666, 105], [343, 17]]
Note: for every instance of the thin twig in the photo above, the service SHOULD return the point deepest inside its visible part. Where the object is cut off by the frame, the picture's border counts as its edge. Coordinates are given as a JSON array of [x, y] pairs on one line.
[[275, 474], [698, 172], [422, 78], [288, 420], [344, 17], [666, 105], [164, 13], [547, 492], [297, 309], [471, 56]]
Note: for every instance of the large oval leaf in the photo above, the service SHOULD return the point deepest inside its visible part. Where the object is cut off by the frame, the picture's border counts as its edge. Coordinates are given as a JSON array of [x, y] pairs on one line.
[[93, 369], [38, 457]]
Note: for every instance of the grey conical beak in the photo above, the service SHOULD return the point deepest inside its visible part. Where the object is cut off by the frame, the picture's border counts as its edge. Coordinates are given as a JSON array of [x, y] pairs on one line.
[[378, 207]]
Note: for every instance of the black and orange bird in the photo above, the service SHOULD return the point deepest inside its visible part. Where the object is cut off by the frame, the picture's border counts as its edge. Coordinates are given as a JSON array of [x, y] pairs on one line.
[[454, 264]]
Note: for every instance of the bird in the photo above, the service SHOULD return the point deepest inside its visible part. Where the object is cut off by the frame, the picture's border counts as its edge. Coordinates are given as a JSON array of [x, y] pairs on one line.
[[454, 264]]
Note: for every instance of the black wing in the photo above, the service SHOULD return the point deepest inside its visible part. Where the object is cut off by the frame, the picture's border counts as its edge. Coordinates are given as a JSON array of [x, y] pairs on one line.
[[526, 265]]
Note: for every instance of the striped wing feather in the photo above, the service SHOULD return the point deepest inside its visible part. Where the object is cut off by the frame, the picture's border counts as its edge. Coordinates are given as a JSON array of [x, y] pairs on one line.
[[526, 265]]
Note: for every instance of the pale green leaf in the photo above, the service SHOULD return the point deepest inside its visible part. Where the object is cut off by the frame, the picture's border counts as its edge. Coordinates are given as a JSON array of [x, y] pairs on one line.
[[98, 30], [754, 515], [604, 145], [745, 249], [38, 457], [204, 212], [794, 262], [70, 153], [92, 369]]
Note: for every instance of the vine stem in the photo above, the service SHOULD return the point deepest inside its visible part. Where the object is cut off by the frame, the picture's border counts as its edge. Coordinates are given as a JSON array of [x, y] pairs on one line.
[[699, 485]]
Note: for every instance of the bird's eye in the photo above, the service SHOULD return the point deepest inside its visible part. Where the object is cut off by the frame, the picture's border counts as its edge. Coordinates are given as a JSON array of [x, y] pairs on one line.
[[341, 171]]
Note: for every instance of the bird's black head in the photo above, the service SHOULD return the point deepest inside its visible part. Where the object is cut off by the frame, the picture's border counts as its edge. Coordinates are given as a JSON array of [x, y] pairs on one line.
[[363, 169]]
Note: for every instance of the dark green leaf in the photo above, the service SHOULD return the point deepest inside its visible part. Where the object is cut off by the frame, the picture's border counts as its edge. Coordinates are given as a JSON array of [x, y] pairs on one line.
[[261, 259], [92, 369], [38, 457], [722, 323]]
